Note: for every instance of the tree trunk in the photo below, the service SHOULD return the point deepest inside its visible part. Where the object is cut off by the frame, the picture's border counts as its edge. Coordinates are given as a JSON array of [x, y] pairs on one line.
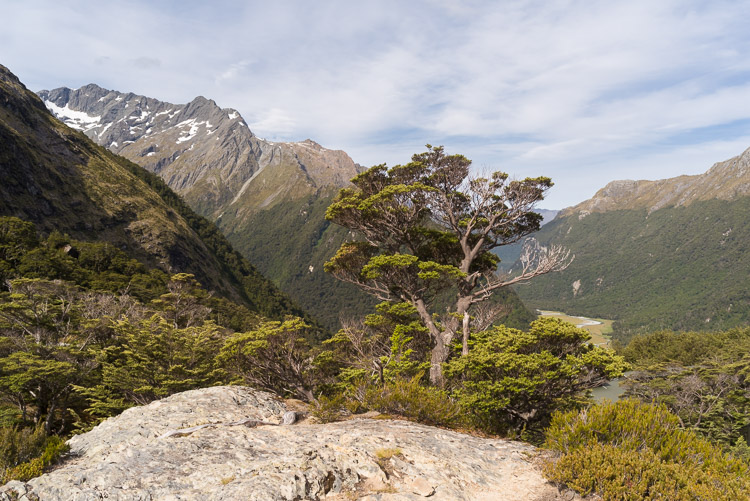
[[48, 419], [438, 356], [442, 341], [466, 330]]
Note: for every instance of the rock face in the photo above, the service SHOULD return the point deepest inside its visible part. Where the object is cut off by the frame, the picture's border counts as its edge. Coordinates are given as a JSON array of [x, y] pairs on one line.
[[124, 458], [205, 153]]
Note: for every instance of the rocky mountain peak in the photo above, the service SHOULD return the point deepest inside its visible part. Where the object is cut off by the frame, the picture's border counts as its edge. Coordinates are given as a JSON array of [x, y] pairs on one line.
[[206, 153]]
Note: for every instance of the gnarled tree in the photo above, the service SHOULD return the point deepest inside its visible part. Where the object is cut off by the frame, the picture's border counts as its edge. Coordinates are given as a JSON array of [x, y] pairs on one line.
[[427, 230]]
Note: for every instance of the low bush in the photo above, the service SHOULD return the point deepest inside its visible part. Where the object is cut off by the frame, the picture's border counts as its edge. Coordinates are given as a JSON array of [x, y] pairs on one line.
[[405, 398], [408, 398], [511, 381], [328, 409], [26, 452], [629, 450]]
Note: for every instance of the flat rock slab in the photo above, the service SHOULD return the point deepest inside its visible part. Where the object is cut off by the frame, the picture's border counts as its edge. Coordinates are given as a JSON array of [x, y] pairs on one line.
[[224, 458]]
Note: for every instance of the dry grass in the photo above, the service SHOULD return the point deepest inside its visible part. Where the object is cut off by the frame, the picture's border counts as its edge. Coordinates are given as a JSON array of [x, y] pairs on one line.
[[599, 332]]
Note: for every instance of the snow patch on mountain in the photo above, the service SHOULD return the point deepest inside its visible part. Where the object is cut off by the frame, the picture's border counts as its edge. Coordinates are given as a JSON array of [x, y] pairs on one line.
[[74, 119]]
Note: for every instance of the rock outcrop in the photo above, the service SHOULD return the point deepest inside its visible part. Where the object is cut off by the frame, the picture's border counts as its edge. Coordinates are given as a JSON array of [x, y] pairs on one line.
[[232, 445]]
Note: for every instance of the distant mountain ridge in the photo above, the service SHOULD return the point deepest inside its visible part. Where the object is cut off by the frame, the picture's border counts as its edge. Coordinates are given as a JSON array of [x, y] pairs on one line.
[[268, 198], [667, 254], [205, 153], [727, 180], [60, 180]]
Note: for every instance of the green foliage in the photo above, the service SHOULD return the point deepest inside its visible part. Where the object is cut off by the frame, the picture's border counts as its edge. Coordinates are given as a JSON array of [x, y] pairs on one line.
[[275, 357], [77, 351], [678, 268], [687, 348], [26, 452], [513, 380], [629, 450], [704, 378], [389, 345], [153, 359], [741, 450], [409, 399], [328, 409]]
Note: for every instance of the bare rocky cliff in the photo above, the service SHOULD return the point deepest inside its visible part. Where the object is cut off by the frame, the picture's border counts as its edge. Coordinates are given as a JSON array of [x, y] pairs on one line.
[[227, 443]]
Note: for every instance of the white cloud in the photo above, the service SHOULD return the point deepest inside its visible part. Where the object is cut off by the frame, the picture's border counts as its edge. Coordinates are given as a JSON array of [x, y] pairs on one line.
[[579, 90]]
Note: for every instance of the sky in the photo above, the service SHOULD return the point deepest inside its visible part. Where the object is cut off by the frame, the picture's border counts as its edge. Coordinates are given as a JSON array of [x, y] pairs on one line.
[[584, 92]]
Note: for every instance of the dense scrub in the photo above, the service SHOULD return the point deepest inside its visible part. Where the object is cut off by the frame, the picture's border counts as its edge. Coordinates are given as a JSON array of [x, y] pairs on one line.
[[629, 450], [704, 378], [86, 331]]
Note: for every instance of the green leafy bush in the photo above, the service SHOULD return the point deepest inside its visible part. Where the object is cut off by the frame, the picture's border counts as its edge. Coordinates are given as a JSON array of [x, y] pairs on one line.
[[26, 452], [629, 450], [275, 357], [410, 399], [701, 376], [513, 380], [328, 409]]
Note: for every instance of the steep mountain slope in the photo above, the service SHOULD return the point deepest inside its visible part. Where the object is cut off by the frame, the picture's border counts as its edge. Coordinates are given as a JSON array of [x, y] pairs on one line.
[[672, 253], [268, 198], [60, 180]]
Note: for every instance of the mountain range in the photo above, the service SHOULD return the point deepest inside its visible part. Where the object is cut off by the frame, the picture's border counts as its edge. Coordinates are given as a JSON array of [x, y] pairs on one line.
[[665, 254], [58, 179], [269, 198]]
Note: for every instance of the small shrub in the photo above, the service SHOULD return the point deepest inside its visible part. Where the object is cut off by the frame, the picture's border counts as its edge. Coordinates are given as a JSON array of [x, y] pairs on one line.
[[385, 454], [741, 450], [329, 409], [410, 399], [25, 453], [629, 450]]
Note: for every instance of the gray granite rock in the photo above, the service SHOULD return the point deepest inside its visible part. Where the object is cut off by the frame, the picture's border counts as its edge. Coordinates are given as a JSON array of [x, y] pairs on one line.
[[218, 457]]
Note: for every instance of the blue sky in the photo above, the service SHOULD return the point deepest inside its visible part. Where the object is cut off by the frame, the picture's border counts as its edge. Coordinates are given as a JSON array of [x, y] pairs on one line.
[[584, 92]]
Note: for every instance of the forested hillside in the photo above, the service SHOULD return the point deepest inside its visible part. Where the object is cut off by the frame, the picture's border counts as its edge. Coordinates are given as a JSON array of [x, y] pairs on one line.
[[58, 179], [653, 255]]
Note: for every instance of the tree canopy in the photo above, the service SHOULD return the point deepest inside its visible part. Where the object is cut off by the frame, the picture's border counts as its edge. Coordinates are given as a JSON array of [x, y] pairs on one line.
[[425, 235]]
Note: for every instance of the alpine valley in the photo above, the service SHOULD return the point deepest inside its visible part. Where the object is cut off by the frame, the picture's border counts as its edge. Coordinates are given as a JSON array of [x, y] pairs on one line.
[[667, 254], [268, 198], [143, 357]]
